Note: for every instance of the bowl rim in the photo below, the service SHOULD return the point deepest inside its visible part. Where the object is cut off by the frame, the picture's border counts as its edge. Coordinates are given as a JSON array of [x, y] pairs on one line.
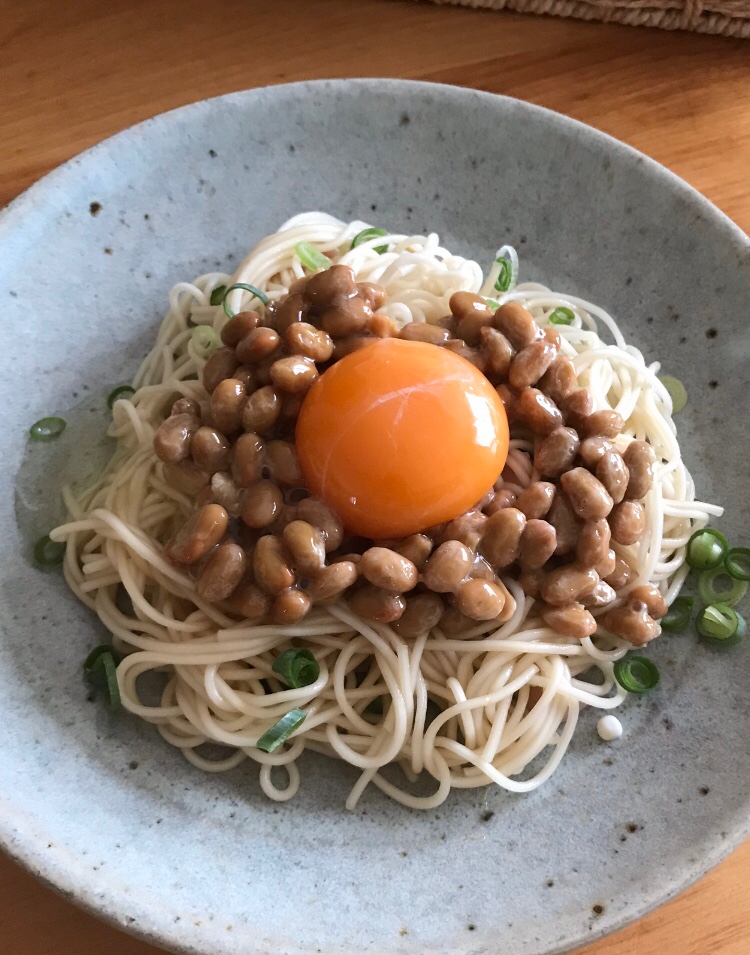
[[21, 837]]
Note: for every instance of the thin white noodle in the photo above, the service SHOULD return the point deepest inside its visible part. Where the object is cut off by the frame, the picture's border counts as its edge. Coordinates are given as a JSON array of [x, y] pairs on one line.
[[486, 731]]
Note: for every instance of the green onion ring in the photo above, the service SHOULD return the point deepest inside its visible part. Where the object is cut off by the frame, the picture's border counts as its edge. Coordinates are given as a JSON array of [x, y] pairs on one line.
[[712, 595], [493, 304], [47, 429], [505, 276], [281, 731], [676, 390], [100, 669], [311, 257], [247, 288], [119, 393], [636, 674], [706, 549], [217, 296], [297, 668], [562, 316], [721, 626], [677, 617], [205, 340], [90, 661], [737, 563], [366, 235], [49, 553]]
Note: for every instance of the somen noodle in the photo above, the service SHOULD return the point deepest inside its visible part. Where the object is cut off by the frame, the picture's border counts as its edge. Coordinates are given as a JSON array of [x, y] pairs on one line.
[[468, 709]]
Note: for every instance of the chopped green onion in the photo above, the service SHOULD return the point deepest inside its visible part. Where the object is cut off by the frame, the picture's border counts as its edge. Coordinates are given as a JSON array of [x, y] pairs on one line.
[[493, 304], [677, 617], [676, 391], [562, 316], [47, 429], [217, 296], [247, 288], [711, 594], [48, 553], [100, 669], [737, 563], [122, 391], [281, 731], [706, 549], [90, 663], [636, 674], [365, 235], [505, 275], [205, 340], [504, 271], [297, 668], [720, 625], [311, 257]]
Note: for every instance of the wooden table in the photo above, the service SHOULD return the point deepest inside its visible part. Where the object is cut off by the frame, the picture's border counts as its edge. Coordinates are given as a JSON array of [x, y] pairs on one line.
[[74, 72]]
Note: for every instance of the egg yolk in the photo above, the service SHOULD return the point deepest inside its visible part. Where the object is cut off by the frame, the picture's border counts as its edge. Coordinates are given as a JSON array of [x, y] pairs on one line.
[[399, 436]]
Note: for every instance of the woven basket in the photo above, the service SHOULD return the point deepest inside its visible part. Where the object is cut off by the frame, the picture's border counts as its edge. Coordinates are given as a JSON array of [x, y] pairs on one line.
[[728, 17]]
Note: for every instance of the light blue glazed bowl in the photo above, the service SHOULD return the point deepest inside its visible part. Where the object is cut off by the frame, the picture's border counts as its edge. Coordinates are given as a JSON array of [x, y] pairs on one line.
[[100, 807]]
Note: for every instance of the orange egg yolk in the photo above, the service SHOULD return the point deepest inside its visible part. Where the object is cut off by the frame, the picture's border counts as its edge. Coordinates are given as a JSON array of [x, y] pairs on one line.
[[399, 436]]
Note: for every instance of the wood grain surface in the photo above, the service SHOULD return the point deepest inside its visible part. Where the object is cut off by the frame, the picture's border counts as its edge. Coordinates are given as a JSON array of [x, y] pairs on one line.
[[75, 71]]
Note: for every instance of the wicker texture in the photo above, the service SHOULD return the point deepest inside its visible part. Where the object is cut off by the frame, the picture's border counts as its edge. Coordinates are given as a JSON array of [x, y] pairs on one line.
[[727, 17]]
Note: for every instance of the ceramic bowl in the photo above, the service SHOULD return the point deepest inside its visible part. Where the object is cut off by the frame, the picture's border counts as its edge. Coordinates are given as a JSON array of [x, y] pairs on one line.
[[105, 811]]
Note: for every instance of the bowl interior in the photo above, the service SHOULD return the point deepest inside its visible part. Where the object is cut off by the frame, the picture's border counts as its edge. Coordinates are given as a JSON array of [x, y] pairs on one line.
[[101, 806]]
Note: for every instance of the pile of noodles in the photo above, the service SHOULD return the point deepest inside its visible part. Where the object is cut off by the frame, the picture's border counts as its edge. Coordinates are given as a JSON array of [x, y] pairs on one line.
[[457, 708]]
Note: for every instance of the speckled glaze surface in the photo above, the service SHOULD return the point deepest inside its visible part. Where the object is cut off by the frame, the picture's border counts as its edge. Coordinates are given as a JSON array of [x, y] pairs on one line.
[[101, 807]]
